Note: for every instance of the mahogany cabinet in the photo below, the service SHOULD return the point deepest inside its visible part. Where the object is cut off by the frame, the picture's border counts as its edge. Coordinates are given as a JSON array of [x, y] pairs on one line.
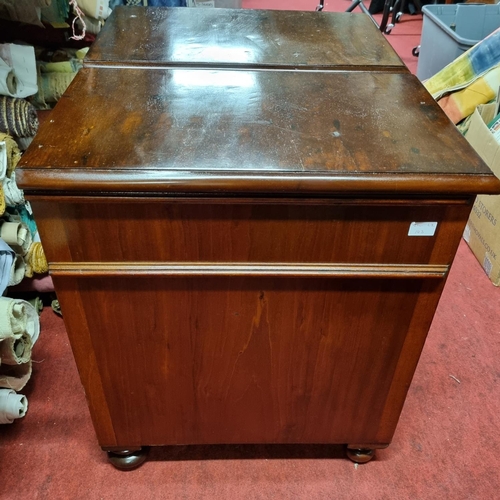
[[248, 250]]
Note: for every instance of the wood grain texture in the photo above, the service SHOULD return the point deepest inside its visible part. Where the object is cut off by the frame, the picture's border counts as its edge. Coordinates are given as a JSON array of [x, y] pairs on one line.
[[242, 360], [409, 356], [187, 130], [89, 369], [245, 232], [241, 38]]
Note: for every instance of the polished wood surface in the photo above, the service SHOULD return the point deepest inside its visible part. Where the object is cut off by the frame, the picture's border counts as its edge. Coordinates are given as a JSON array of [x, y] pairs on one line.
[[202, 130], [244, 360], [243, 38], [231, 247], [266, 232]]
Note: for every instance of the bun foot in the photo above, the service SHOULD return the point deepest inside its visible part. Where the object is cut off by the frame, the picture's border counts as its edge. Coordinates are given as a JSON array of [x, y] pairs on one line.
[[127, 459], [360, 455]]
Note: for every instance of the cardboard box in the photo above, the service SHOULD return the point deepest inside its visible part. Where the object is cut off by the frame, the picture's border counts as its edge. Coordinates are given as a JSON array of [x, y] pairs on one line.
[[482, 232]]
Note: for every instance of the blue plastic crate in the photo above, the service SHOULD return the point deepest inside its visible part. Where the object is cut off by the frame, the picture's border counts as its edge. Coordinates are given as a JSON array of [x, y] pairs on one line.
[[450, 30]]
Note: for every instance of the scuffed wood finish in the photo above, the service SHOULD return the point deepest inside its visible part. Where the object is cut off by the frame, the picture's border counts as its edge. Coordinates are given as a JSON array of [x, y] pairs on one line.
[[245, 360], [265, 232], [188, 130], [224, 199], [243, 38]]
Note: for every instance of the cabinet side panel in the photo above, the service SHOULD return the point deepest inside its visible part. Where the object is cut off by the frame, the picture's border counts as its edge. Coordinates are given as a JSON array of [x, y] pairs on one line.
[[414, 343], [407, 364], [89, 369]]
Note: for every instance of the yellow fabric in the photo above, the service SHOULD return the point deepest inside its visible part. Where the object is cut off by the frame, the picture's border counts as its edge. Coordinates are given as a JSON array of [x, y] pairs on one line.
[[2, 201], [462, 103], [471, 79], [13, 153], [36, 259]]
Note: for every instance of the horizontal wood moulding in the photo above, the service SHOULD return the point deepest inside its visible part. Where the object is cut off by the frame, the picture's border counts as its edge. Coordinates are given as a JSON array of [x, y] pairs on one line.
[[70, 180], [159, 198], [243, 67], [248, 269]]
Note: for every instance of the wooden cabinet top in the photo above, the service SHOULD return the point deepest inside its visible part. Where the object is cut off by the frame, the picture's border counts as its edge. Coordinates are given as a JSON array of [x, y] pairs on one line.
[[186, 130], [244, 38]]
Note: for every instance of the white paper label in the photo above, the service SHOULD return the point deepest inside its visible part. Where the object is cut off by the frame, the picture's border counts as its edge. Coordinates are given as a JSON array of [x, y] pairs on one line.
[[487, 265], [204, 3], [467, 233], [422, 228]]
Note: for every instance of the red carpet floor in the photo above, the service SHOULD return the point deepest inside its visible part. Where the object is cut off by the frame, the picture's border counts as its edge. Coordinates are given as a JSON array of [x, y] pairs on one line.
[[446, 445]]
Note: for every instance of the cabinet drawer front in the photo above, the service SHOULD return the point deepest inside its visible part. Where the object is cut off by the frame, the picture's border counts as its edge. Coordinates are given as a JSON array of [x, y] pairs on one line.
[[239, 232]]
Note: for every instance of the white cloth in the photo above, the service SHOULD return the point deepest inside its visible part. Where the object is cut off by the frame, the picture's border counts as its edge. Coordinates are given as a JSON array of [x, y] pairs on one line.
[[98, 9], [13, 195], [15, 377], [18, 316], [32, 321], [16, 351], [18, 76], [17, 271], [12, 406], [3, 159], [7, 256], [13, 318], [92, 25], [17, 235]]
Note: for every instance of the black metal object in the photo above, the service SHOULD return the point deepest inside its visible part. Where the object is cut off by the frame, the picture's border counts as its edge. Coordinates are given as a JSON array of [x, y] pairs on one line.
[[397, 10], [354, 4]]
